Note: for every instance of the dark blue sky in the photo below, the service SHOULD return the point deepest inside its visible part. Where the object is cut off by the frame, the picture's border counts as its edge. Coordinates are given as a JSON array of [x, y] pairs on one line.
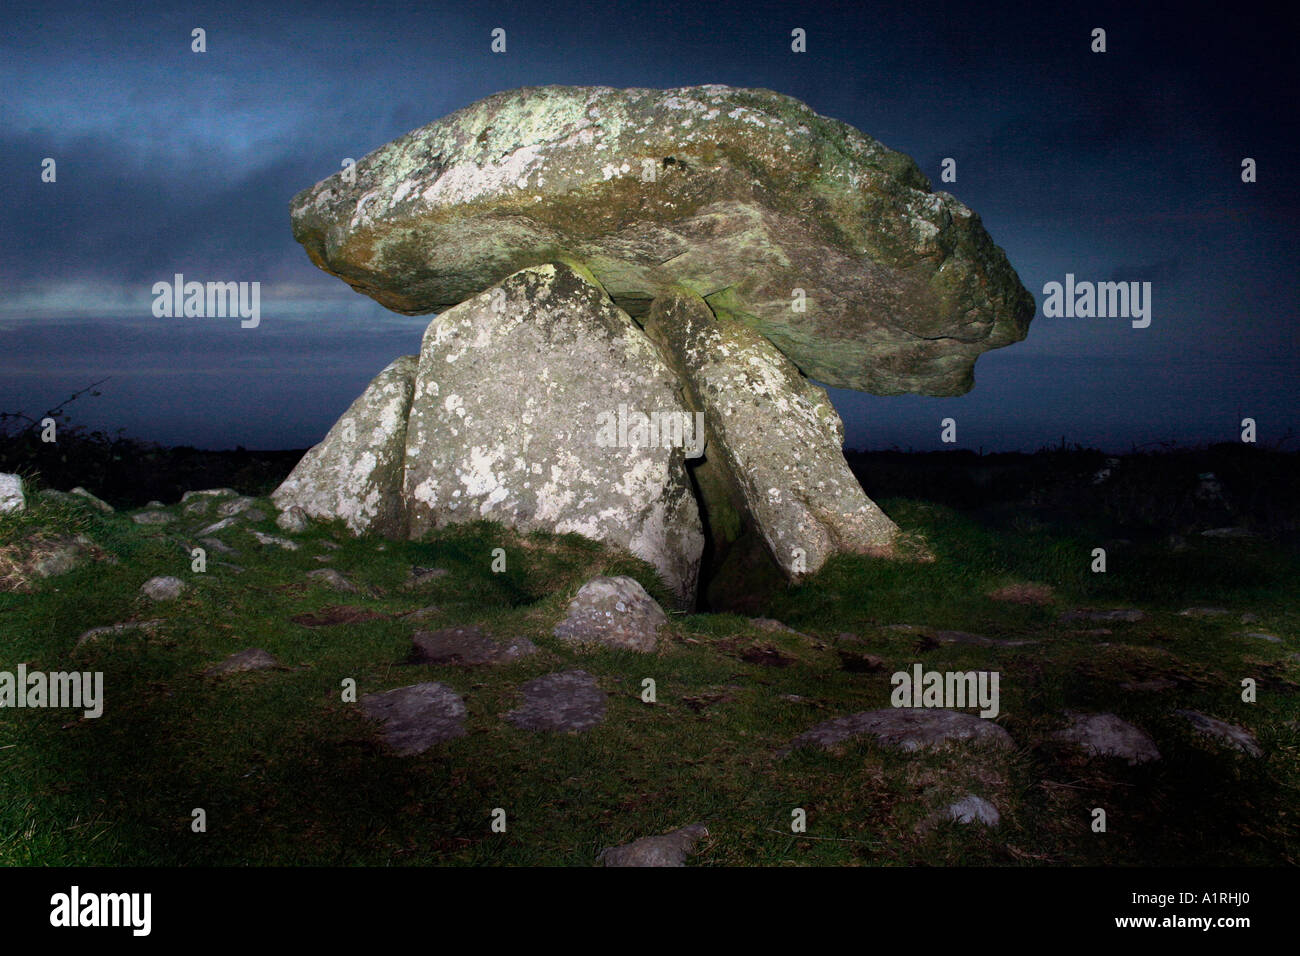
[[1118, 165]]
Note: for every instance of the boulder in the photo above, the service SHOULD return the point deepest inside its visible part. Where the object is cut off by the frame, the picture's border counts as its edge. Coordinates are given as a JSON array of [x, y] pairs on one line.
[[510, 421], [355, 473], [669, 849], [828, 243], [11, 493], [415, 718], [776, 437], [166, 588], [90, 499], [1105, 735], [613, 612]]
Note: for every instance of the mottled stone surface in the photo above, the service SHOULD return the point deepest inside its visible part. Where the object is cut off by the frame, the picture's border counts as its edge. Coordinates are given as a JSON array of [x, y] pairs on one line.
[[90, 499], [778, 438], [973, 809], [11, 493], [253, 659], [506, 424], [417, 717], [292, 519], [332, 579], [1105, 735], [741, 195], [613, 612], [569, 700], [1231, 735], [355, 473], [153, 517], [668, 849], [906, 729], [467, 646], [164, 588]]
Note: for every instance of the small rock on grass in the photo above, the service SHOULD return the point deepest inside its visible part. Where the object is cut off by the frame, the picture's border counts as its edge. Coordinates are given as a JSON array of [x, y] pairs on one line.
[[466, 646], [907, 729], [153, 517], [569, 700], [94, 502], [276, 540], [112, 630], [669, 849], [973, 809], [253, 659], [1127, 615], [165, 588], [293, 519], [333, 579], [217, 545], [1105, 735], [12, 498], [415, 718], [614, 612], [1238, 738]]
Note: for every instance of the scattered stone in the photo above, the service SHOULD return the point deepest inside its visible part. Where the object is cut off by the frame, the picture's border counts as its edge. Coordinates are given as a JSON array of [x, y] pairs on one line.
[[973, 809], [856, 663], [1037, 595], [221, 525], [419, 577], [670, 849], [766, 655], [1128, 615], [332, 579], [94, 502], [1106, 735], [253, 659], [961, 637], [39, 555], [273, 539], [199, 506], [97, 633], [293, 519], [1260, 635], [614, 612], [228, 509], [329, 545], [322, 557], [336, 614], [773, 626], [421, 613], [467, 646], [1204, 612], [569, 700], [209, 493], [1229, 533], [217, 545], [907, 729], [11, 493], [165, 588], [154, 504], [1226, 733], [417, 717], [153, 517]]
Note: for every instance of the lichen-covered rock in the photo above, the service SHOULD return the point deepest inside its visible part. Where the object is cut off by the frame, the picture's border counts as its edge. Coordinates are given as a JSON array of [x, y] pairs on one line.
[[778, 437], [510, 416], [613, 612], [11, 493], [668, 849], [816, 235], [1105, 735], [355, 473], [908, 729]]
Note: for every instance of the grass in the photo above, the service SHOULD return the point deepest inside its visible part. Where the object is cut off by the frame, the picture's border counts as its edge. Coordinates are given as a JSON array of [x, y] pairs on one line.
[[287, 772]]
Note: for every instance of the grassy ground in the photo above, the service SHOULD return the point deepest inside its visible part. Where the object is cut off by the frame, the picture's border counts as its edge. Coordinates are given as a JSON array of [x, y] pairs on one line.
[[290, 774]]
